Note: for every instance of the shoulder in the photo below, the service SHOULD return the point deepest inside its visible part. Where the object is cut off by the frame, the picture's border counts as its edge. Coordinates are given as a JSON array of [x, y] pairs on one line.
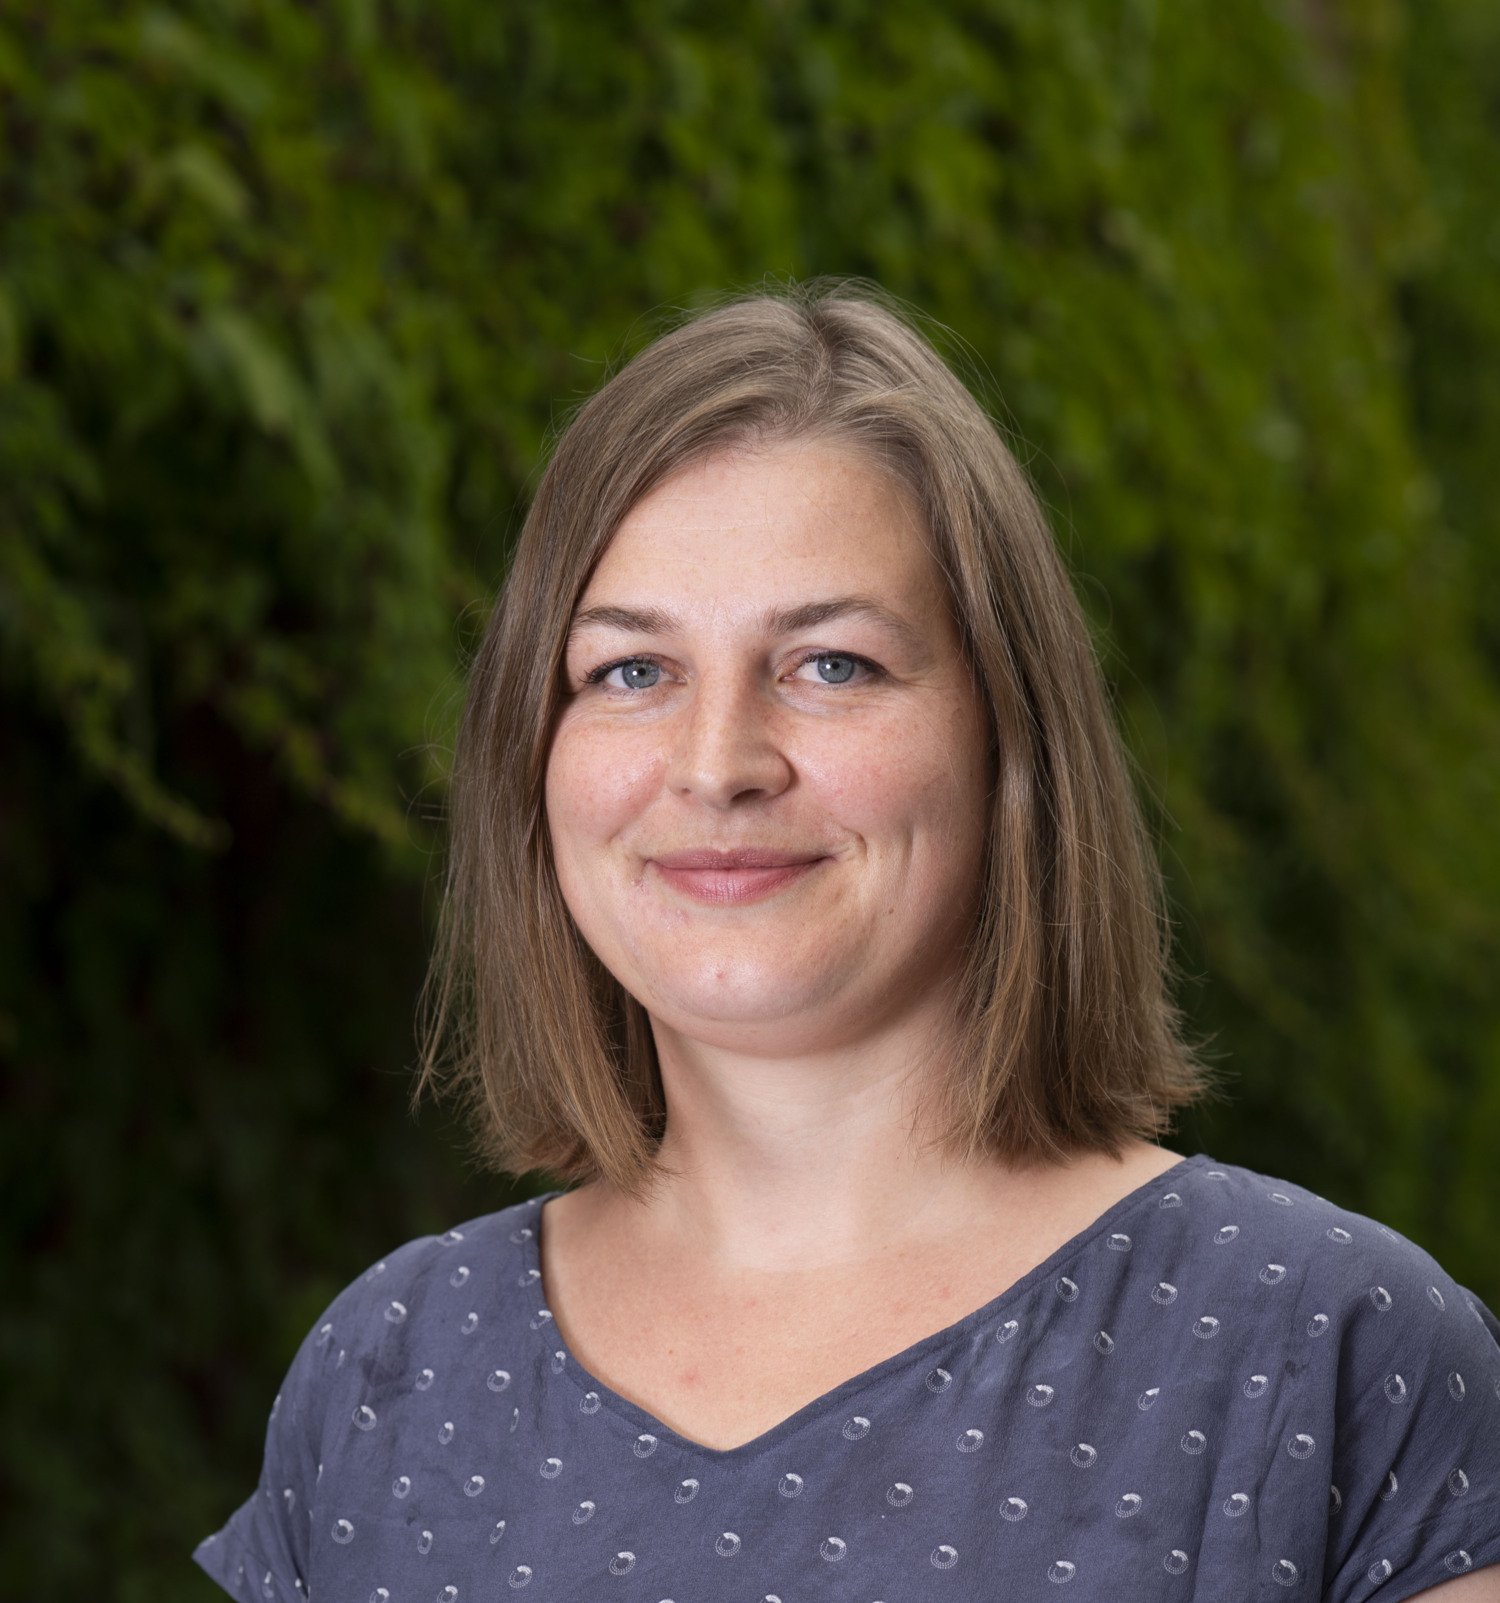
[[411, 1285], [406, 1300], [1354, 1286], [418, 1299], [1386, 1382], [1337, 1258], [1332, 1253]]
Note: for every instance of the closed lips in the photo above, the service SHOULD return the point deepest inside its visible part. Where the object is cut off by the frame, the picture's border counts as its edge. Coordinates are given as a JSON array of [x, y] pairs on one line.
[[743, 858]]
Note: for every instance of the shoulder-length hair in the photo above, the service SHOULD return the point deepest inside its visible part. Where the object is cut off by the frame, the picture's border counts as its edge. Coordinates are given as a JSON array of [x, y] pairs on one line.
[[1064, 1037]]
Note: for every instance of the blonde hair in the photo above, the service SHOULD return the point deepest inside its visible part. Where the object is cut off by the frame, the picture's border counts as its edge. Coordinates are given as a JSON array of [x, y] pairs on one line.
[[1066, 1039]]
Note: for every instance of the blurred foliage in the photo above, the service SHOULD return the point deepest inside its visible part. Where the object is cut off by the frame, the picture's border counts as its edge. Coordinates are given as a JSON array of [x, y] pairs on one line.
[[288, 292]]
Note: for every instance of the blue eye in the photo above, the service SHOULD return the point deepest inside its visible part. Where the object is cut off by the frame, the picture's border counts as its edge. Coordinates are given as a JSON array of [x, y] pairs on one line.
[[836, 656], [628, 662], [597, 675]]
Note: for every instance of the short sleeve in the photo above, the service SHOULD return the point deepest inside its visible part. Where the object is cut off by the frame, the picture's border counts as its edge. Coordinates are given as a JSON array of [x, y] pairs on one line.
[[1415, 1493], [260, 1555]]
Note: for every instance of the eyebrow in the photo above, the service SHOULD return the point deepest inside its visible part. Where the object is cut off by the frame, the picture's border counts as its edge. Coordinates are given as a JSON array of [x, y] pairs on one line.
[[775, 620]]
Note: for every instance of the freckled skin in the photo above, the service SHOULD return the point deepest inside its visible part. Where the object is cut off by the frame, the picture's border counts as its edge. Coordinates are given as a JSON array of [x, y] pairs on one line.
[[739, 738], [803, 1235]]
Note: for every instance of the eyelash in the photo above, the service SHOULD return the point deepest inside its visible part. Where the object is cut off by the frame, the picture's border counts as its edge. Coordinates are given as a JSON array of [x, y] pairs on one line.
[[596, 675]]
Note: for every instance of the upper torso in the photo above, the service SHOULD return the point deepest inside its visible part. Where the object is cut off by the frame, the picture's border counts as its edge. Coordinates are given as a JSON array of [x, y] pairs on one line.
[[1224, 1387], [722, 1359]]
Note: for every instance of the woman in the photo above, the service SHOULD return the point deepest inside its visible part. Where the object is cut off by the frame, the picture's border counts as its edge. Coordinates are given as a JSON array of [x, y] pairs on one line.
[[805, 925]]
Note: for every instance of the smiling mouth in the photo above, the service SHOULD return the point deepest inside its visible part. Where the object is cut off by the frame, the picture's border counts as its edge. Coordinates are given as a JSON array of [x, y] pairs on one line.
[[727, 886]]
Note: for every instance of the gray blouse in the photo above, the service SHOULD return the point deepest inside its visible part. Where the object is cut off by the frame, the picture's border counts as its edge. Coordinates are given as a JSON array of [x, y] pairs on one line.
[[1225, 1388]]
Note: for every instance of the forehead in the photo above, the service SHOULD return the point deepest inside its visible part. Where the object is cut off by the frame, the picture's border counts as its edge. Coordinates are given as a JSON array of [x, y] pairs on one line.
[[789, 514]]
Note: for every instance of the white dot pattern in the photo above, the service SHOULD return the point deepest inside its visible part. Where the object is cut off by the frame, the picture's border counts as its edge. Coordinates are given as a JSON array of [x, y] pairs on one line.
[[1226, 1386]]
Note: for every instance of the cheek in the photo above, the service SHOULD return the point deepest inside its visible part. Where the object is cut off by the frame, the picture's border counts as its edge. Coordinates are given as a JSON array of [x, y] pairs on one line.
[[596, 783], [910, 777]]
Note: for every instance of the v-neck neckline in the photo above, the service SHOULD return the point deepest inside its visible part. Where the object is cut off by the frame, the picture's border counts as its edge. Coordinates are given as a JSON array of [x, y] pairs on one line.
[[643, 1420]]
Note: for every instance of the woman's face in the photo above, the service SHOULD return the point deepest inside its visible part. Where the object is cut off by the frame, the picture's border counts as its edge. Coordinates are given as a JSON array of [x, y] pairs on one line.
[[711, 723]]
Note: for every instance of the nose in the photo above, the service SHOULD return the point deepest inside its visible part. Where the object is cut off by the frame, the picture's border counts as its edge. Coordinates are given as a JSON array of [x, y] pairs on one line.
[[727, 742]]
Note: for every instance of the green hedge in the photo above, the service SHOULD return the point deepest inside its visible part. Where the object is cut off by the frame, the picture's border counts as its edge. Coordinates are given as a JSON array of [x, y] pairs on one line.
[[289, 294]]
